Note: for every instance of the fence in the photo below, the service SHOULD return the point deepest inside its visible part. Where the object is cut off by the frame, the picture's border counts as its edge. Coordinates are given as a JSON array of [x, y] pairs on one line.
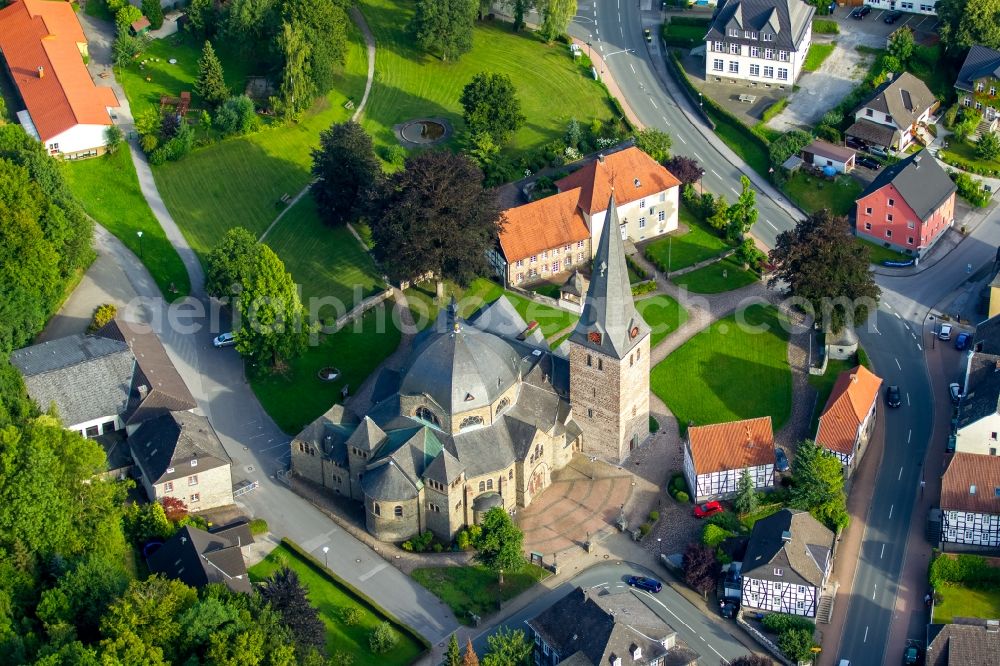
[[363, 307]]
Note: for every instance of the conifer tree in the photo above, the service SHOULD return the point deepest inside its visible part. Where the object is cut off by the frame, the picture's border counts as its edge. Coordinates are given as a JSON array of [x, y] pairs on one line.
[[211, 83]]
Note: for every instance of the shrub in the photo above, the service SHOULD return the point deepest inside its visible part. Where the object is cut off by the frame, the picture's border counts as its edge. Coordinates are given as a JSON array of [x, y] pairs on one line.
[[654, 425], [258, 526], [643, 288], [351, 615], [645, 528], [102, 315], [682, 497], [825, 27], [828, 133], [796, 644], [394, 154], [788, 144], [970, 189], [712, 535], [963, 569], [654, 516], [237, 116], [382, 639], [774, 109], [678, 484], [779, 623], [951, 115], [727, 521], [113, 137]]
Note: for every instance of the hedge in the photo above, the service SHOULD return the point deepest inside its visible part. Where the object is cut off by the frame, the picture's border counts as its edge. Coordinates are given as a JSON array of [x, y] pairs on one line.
[[970, 569], [690, 20], [641, 288], [779, 623], [774, 109], [674, 65], [358, 595], [825, 27]]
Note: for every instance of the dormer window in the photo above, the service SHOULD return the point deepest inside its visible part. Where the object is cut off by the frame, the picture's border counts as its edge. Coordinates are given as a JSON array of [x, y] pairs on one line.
[[636, 182], [170, 470], [767, 37], [636, 652], [194, 462], [972, 489], [734, 32], [779, 572]]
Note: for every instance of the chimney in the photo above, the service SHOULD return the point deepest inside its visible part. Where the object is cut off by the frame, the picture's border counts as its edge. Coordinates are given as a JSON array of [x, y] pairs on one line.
[[41, 72], [854, 378], [992, 626], [749, 438], [143, 391], [600, 158], [786, 536]]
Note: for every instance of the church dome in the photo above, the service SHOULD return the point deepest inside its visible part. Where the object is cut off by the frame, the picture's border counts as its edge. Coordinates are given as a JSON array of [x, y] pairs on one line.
[[461, 369]]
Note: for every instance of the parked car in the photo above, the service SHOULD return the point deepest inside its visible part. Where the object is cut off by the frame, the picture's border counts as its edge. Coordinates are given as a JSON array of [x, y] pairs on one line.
[[707, 509], [945, 332], [891, 17], [224, 340], [955, 393], [868, 163], [892, 396], [728, 607], [878, 150], [912, 655], [962, 341], [649, 35], [643, 583], [780, 460], [861, 12]]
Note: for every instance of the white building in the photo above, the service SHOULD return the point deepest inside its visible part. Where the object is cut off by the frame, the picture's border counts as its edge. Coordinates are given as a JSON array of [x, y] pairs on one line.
[[978, 429], [893, 115], [761, 41], [716, 455], [912, 6], [788, 561], [970, 502], [848, 419]]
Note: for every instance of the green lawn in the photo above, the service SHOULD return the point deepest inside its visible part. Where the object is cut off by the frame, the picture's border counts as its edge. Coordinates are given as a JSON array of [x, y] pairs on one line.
[[967, 153], [824, 385], [816, 55], [410, 84], [753, 153], [961, 601], [550, 289], [663, 314], [297, 396], [724, 275], [326, 594], [239, 182], [109, 191], [699, 243], [812, 193], [729, 371], [326, 261], [880, 254], [475, 589]]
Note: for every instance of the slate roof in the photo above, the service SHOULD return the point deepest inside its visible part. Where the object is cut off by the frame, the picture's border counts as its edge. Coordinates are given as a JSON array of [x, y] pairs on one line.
[[610, 323], [85, 376], [966, 471], [920, 180], [904, 97], [802, 560], [630, 173], [849, 403], [980, 62], [445, 468], [329, 433], [965, 642], [829, 150], [987, 336], [197, 557], [605, 626], [41, 33], [502, 319], [575, 285], [543, 224], [880, 135], [732, 445], [982, 389], [166, 447], [788, 20]]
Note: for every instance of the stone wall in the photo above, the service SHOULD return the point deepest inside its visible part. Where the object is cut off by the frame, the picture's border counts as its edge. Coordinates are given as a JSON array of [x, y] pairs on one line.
[[214, 488], [387, 526]]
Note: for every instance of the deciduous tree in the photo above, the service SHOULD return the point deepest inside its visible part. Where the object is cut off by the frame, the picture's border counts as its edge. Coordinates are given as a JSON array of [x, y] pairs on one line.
[[113, 138], [470, 658], [654, 142], [297, 90], [152, 10], [968, 22], [202, 18], [797, 644], [248, 21], [288, 597], [823, 265], [237, 116], [323, 24], [556, 15], [988, 146], [507, 647], [701, 569], [686, 169], [491, 106], [500, 546], [445, 26], [229, 263], [742, 215], [819, 485], [746, 496], [347, 172], [901, 45], [211, 83], [125, 17], [752, 660]]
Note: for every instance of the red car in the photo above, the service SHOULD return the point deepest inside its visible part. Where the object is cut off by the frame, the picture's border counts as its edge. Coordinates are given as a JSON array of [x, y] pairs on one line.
[[707, 509]]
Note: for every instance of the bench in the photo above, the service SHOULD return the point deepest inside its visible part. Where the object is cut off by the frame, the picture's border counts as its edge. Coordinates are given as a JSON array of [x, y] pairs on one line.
[[748, 98], [285, 198]]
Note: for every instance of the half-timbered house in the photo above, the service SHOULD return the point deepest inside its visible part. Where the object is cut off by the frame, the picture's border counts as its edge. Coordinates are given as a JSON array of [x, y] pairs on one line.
[[716, 455], [970, 502], [848, 418]]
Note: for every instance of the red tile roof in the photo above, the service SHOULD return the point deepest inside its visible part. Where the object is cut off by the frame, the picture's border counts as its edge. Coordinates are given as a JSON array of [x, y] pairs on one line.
[[848, 404], [46, 34], [733, 445], [964, 471], [621, 170], [542, 225]]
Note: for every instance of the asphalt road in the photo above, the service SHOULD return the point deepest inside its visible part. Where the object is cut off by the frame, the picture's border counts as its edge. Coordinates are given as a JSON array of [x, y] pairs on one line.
[[711, 637]]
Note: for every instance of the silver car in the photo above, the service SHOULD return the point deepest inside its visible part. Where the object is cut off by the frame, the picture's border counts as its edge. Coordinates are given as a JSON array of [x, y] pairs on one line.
[[224, 340], [945, 332]]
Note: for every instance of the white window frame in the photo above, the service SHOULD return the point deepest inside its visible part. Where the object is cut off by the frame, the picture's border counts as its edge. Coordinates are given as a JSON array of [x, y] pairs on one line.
[[754, 51], [734, 66], [717, 65]]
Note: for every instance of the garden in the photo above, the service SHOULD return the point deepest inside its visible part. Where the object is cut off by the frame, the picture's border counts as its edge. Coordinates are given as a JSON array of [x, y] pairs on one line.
[[349, 618], [812, 192], [724, 275], [878, 253], [965, 586], [476, 589], [675, 252], [736, 369]]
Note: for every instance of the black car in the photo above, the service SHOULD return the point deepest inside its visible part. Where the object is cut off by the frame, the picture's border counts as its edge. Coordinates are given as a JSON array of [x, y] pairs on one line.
[[647, 584], [861, 12], [891, 17], [728, 607], [869, 163], [780, 460], [649, 35], [892, 396]]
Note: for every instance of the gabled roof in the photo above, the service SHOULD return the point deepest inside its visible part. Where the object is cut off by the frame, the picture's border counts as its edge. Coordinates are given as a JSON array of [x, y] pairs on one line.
[[631, 174], [445, 468], [904, 97], [982, 389], [802, 559], [610, 323], [197, 557], [825, 149], [971, 483], [980, 62], [788, 20], [920, 180], [849, 403], [880, 135], [733, 445], [87, 377], [367, 437], [987, 336], [46, 34], [541, 225], [965, 642], [176, 445]]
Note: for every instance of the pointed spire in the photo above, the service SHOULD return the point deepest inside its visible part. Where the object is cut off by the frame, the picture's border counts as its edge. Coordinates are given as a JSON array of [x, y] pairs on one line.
[[609, 323]]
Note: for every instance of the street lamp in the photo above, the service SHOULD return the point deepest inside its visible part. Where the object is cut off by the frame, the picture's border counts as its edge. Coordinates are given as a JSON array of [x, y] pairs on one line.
[[500, 592], [591, 36], [326, 560], [699, 101], [139, 234], [659, 546], [670, 249]]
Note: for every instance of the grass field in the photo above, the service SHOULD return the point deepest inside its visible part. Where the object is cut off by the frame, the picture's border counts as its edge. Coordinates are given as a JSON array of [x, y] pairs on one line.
[[812, 193], [326, 261], [880, 254], [330, 597], [967, 153], [962, 601], [817, 54], [109, 191], [824, 385], [239, 182], [410, 84], [677, 252], [752, 152], [297, 396], [724, 275], [663, 314], [729, 371], [475, 589]]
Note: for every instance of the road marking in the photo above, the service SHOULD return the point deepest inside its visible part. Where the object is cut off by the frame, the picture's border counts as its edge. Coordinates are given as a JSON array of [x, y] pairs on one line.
[[689, 628], [913, 334], [888, 305], [682, 139], [865, 639], [668, 122], [920, 347], [619, 17], [622, 31], [734, 190], [882, 554], [909, 434], [873, 591], [374, 571], [897, 316], [771, 225], [632, 67], [891, 507], [654, 105], [907, 399], [877, 332], [897, 363], [696, 155], [716, 173], [900, 477]]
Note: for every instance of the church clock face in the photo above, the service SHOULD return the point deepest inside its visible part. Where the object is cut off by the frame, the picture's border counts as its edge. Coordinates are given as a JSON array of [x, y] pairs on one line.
[[595, 337]]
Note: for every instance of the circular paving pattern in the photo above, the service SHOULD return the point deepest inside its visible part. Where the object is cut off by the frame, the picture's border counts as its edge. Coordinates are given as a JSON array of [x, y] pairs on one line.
[[423, 132]]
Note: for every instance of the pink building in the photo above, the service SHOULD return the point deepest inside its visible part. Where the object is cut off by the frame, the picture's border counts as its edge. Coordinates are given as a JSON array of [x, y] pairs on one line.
[[909, 206]]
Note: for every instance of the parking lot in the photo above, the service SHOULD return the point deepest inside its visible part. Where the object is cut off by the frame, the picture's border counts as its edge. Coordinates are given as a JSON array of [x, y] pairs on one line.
[[872, 29]]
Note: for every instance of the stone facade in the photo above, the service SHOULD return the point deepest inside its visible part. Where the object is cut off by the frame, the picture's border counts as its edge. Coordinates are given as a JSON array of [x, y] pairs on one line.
[[201, 490], [394, 520]]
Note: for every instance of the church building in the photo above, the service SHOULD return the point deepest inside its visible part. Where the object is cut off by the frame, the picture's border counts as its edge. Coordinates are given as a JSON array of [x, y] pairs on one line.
[[483, 412]]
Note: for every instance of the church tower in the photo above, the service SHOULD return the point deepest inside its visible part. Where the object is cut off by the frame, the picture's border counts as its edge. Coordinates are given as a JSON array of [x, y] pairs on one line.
[[609, 355]]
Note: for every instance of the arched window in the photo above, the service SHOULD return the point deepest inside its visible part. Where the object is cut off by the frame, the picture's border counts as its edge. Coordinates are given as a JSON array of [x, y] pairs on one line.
[[502, 405], [489, 484], [470, 421], [427, 415], [377, 509], [482, 486], [398, 511]]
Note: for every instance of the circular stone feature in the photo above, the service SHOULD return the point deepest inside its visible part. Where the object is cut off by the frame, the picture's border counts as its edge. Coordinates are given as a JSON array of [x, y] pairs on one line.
[[329, 374], [423, 131]]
